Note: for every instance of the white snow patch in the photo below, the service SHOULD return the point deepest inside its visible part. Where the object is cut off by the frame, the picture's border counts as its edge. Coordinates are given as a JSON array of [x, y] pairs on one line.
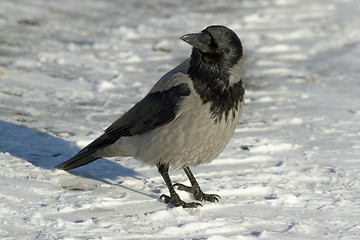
[[273, 148], [68, 70]]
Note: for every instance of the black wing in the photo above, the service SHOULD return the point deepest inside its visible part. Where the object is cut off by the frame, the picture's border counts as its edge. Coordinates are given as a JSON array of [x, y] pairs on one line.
[[154, 110]]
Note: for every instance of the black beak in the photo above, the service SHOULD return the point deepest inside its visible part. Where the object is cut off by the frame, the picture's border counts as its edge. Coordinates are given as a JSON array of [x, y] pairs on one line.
[[200, 41]]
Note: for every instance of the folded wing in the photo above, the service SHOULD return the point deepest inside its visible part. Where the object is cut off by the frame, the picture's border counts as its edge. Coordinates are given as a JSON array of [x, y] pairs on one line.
[[154, 110]]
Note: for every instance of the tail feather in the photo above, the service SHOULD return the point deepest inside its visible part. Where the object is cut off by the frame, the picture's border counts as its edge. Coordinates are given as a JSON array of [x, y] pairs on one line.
[[87, 154], [78, 160]]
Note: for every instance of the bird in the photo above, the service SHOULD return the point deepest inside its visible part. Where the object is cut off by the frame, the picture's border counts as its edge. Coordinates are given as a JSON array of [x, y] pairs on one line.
[[187, 118]]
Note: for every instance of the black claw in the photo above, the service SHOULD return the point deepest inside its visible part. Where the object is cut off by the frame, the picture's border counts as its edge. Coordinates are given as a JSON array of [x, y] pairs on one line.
[[197, 193], [177, 202]]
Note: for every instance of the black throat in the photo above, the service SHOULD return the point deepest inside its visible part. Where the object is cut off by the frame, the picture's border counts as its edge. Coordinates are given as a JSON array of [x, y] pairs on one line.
[[211, 82]]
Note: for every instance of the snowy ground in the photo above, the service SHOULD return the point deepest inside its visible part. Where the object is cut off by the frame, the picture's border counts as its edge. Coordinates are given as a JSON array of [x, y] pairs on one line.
[[69, 68]]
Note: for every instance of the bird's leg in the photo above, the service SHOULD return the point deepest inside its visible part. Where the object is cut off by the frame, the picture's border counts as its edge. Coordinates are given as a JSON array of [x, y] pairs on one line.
[[195, 189], [174, 197]]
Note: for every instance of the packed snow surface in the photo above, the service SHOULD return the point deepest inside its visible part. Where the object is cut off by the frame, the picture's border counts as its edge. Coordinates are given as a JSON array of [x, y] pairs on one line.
[[68, 69]]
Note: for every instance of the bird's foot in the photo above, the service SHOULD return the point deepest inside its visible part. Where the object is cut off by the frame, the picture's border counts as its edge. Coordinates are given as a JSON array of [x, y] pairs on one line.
[[198, 193], [177, 202]]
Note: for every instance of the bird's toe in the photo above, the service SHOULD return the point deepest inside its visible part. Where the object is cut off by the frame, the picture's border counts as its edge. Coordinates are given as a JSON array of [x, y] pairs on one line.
[[183, 187], [198, 193], [177, 202]]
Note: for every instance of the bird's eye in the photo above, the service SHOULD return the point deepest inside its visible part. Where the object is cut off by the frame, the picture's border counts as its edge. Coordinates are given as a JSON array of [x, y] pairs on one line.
[[205, 38]]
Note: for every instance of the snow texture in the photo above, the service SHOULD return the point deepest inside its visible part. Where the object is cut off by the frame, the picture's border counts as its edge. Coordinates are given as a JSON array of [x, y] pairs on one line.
[[68, 69]]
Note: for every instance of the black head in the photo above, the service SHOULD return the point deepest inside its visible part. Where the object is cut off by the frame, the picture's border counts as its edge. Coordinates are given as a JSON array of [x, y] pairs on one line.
[[216, 50], [215, 44]]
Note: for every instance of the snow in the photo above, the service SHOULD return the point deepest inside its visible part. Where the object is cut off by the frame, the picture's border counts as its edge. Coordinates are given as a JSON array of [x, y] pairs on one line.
[[68, 69]]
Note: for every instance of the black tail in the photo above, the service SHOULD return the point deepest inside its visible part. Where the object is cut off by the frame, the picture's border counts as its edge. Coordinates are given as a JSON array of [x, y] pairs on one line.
[[78, 160], [86, 155]]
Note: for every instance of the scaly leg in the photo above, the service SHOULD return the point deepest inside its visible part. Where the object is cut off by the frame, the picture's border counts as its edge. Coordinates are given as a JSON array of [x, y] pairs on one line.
[[174, 197], [195, 189]]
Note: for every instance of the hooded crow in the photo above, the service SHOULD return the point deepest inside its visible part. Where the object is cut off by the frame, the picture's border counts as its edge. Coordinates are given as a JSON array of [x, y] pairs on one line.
[[186, 119]]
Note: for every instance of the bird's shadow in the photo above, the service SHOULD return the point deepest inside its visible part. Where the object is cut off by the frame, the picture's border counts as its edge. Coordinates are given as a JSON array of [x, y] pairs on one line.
[[46, 151]]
